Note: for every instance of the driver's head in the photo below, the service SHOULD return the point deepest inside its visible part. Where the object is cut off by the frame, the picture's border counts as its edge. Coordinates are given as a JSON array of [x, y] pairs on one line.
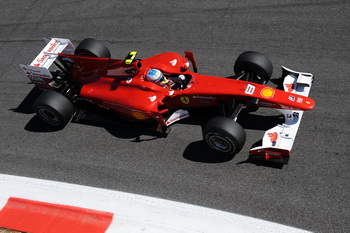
[[155, 75]]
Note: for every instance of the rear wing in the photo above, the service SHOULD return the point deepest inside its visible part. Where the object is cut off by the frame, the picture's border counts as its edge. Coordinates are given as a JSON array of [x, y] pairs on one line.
[[278, 141], [38, 71]]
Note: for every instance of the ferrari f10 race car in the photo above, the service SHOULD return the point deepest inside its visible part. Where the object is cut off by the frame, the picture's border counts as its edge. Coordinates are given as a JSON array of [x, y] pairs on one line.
[[164, 87]]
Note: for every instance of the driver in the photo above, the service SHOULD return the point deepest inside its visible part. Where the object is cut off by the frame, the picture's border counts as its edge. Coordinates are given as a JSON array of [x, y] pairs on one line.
[[156, 76]]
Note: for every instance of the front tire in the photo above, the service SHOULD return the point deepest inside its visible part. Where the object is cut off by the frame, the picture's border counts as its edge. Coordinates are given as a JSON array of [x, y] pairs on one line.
[[54, 108], [224, 135], [256, 63]]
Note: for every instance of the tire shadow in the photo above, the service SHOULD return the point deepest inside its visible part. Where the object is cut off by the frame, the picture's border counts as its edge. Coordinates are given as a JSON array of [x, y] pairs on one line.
[[37, 125], [264, 163], [26, 106], [199, 152]]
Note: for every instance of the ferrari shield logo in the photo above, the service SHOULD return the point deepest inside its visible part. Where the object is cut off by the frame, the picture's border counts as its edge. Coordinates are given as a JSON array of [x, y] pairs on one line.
[[185, 100]]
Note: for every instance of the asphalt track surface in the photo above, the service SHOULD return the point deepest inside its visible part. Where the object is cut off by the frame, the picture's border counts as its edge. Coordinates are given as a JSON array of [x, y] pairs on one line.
[[311, 192]]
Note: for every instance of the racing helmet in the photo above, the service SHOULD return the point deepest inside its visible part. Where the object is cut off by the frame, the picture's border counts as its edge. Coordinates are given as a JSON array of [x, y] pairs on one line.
[[154, 75]]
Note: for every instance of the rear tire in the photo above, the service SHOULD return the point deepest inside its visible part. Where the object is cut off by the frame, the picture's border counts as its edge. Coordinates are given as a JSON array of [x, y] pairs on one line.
[[54, 108], [256, 63], [92, 48], [224, 135]]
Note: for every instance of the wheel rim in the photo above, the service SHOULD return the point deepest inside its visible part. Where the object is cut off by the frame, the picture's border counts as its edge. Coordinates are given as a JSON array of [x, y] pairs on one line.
[[48, 116], [221, 144]]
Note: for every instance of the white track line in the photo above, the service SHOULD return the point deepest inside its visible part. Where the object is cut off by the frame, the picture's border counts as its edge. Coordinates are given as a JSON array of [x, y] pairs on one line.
[[135, 213]]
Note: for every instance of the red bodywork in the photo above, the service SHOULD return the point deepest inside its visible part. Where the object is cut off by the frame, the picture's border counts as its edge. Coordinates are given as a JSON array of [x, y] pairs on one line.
[[122, 88]]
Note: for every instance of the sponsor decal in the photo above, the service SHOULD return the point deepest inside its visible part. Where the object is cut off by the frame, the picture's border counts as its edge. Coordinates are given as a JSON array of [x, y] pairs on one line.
[[300, 100], [267, 92], [40, 60], [250, 89], [52, 47], [204, 97], [185, 100], [139, 115], [289, 87], [273, 137], [173, 62], [171, 92], [293, 116], [37, 74], [291, 98], [28, 71], [129, 80]]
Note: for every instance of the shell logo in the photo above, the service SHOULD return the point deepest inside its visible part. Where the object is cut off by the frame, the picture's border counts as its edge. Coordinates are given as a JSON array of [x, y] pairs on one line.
[[139, 115], [267, 92]]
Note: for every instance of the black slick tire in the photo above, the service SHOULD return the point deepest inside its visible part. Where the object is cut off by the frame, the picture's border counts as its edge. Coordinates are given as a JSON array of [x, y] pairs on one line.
[[254, 62], [92, 48], [224, 135], [54, 108]]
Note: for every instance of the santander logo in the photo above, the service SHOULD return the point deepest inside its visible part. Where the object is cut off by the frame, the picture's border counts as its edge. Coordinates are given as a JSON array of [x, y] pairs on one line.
[[51, 48]]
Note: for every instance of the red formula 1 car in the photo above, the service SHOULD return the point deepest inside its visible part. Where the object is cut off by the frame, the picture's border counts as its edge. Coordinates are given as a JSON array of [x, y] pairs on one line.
[[70, 75]]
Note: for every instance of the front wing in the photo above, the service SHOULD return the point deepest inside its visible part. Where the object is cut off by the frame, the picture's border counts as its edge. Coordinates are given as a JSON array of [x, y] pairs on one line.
[[278, 141]]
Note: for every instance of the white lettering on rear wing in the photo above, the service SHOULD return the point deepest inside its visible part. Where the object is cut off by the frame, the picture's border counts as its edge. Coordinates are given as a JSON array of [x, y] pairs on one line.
[[278, 141]]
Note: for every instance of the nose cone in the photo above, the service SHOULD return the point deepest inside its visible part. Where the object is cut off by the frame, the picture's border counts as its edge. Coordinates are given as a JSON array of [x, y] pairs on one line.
[[308, 104]]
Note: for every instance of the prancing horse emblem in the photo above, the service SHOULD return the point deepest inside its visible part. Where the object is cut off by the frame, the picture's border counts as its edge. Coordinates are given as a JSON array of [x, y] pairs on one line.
[[185, 100]]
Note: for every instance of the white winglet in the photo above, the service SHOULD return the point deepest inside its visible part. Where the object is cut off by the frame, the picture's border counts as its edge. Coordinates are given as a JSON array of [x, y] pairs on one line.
[[278, 141], [176, 116]]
